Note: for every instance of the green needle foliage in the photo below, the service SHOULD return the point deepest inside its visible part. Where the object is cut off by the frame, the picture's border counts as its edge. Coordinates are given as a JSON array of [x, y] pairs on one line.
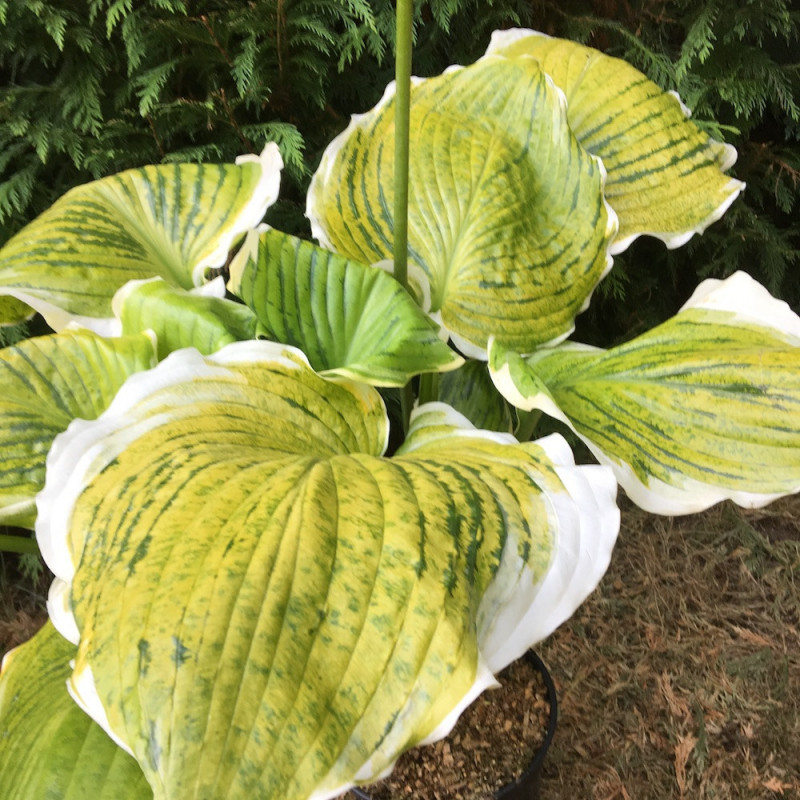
[[105, 85], [91, 88]]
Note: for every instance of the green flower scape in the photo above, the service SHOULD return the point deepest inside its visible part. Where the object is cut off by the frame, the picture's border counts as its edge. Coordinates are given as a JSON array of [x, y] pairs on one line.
[[256, 596]]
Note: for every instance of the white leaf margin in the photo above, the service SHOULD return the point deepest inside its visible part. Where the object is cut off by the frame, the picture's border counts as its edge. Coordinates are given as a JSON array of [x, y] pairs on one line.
[[263, 196], [747, 301], [419, 281], [586, 520], [502, 39]]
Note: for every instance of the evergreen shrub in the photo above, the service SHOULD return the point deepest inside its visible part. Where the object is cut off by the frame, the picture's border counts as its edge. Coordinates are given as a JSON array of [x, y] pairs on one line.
[[92, 88]]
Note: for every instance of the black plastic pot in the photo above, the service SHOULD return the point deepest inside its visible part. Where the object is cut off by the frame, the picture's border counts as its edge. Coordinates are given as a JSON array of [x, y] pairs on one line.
[[526, 787]]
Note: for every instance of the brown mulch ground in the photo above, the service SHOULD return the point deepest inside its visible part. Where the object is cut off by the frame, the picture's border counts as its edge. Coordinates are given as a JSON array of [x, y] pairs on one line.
[[679, 678]]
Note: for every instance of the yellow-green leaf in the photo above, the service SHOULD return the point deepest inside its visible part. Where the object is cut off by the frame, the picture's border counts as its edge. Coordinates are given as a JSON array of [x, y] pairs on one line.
[[347, 318], [291, 609], [181, 318], [13, 311], [702, 408], [665, 176], [506, 212], [51, 750], [470, 391], [175, 221], [47, 382]]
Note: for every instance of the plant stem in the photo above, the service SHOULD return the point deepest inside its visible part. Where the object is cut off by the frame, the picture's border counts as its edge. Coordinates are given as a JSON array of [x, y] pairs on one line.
[[429, 387], [406, 405], [402, 60], [18, 544], [527, 424], [401, 116]]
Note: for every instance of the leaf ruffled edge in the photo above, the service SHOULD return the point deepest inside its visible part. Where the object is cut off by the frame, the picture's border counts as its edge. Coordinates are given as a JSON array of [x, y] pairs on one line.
[[419, 282], [587, 522], [748, 302], [726, 155], [21, 514], [264, 194], [75, 457], [202, 317]]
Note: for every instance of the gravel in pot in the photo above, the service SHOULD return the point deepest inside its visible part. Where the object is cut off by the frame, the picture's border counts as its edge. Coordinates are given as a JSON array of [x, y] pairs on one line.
[[494, 752]]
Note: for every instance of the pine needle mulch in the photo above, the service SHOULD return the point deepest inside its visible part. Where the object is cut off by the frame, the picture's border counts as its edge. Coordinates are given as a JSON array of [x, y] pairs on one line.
[[680, 677]]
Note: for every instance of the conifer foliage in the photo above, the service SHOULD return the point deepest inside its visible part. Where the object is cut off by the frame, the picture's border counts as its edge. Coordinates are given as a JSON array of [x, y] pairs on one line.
[[92, 87]]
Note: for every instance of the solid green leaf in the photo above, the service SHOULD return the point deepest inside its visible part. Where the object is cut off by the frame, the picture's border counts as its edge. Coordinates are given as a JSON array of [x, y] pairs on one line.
[[507, 219], [347, 318], [51, 749], [665, 176], [470, 390], [175, 221], [47, 382], [181, 318], [702, 408], [268, 607]]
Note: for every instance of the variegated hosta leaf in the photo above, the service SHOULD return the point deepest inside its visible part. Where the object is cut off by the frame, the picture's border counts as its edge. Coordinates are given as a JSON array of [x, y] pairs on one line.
[[702, 408], [50, 748], [268, 607], [175, 221], [516, 609], [181, 318], [506, 210], [47, 382], [347, 318], [665, 176], [471, 392], [13, 311]]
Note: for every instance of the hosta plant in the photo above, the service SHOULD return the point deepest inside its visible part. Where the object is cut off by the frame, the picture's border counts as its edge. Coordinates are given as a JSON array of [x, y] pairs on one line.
[[269, 586]]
